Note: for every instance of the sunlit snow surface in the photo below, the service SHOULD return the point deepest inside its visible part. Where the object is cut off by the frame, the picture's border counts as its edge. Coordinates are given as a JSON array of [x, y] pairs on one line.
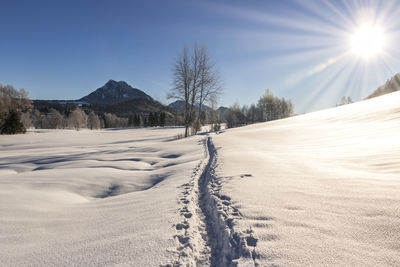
[[319, 189], [92, 197]]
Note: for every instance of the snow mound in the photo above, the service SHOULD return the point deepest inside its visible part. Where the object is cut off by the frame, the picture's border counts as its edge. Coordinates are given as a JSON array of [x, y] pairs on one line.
[[93, 198]]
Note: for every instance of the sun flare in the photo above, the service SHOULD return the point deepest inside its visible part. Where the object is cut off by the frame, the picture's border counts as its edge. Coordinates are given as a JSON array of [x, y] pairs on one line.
[[368, 41]]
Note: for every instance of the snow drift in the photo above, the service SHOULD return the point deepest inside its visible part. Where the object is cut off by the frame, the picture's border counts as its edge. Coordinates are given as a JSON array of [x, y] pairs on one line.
[[106, 197]]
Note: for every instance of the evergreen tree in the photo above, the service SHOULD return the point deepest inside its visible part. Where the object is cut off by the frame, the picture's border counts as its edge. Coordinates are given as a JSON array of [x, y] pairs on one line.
[[162, 119], [151, 120], [131, 120], [12, 124], [137, 120], [155, 119]]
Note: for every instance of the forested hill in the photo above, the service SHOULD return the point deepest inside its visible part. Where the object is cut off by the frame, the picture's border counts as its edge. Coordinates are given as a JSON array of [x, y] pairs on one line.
[[390, 86]]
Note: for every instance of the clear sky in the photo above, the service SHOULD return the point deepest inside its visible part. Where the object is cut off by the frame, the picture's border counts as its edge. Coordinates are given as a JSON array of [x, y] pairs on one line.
[[301, 50]]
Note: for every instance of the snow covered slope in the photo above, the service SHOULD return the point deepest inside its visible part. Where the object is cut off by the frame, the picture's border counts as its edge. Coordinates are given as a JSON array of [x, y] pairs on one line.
[[321, 189], [95, 198]]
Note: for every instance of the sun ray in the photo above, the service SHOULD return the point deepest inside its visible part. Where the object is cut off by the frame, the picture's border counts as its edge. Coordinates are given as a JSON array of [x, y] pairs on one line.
[[331, 18], [351, 78], [361, 33], [331, 76], [322, 89]]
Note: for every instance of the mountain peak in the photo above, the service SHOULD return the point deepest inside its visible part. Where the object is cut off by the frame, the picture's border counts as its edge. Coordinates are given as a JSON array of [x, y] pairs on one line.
[[111, 82], [114, 92], [114, 82]]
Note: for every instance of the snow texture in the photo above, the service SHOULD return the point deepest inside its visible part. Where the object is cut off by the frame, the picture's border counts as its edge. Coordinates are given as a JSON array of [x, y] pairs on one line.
[[93, 198], [321, 189], [206, 234]]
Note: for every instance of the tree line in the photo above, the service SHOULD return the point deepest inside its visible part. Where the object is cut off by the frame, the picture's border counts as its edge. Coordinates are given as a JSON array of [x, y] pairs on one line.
[[84, 118], [17, 114], [268, 108]]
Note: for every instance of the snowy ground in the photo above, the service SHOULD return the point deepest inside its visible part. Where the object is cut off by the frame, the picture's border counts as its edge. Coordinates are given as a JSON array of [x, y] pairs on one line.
[[321, 189], [92, 197]]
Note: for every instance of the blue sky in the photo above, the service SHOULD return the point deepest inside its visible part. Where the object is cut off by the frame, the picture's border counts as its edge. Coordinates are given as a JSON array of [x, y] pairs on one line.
[[298, 49]]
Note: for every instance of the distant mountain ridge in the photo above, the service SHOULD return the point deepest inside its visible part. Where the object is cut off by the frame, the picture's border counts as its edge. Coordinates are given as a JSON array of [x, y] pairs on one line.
[[119, 98], [114, 92], [114, 97], [133, 106], [390, 86], [180, 106]]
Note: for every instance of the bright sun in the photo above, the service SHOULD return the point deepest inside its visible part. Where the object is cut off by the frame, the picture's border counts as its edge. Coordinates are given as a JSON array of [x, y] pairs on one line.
[[368, 41]]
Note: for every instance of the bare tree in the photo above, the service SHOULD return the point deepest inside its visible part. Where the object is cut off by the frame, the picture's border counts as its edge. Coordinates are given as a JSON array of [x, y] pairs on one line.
[[209, 82], [77, 119], [13, 99], [113, 121], [254, 114], [36, 119], [195, 82], [182, 89], [234, 116], [213, 119], [55, 119], [93, 121], [345, 100], [274, 108], [26, 120]]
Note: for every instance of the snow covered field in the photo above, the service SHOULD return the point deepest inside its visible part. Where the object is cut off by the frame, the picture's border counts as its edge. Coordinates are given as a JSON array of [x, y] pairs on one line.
[[321, 189], [92, 197]]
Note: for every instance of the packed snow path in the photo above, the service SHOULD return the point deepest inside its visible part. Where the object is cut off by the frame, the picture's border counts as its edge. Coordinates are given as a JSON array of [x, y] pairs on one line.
[[227, 246], [206, 234]]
